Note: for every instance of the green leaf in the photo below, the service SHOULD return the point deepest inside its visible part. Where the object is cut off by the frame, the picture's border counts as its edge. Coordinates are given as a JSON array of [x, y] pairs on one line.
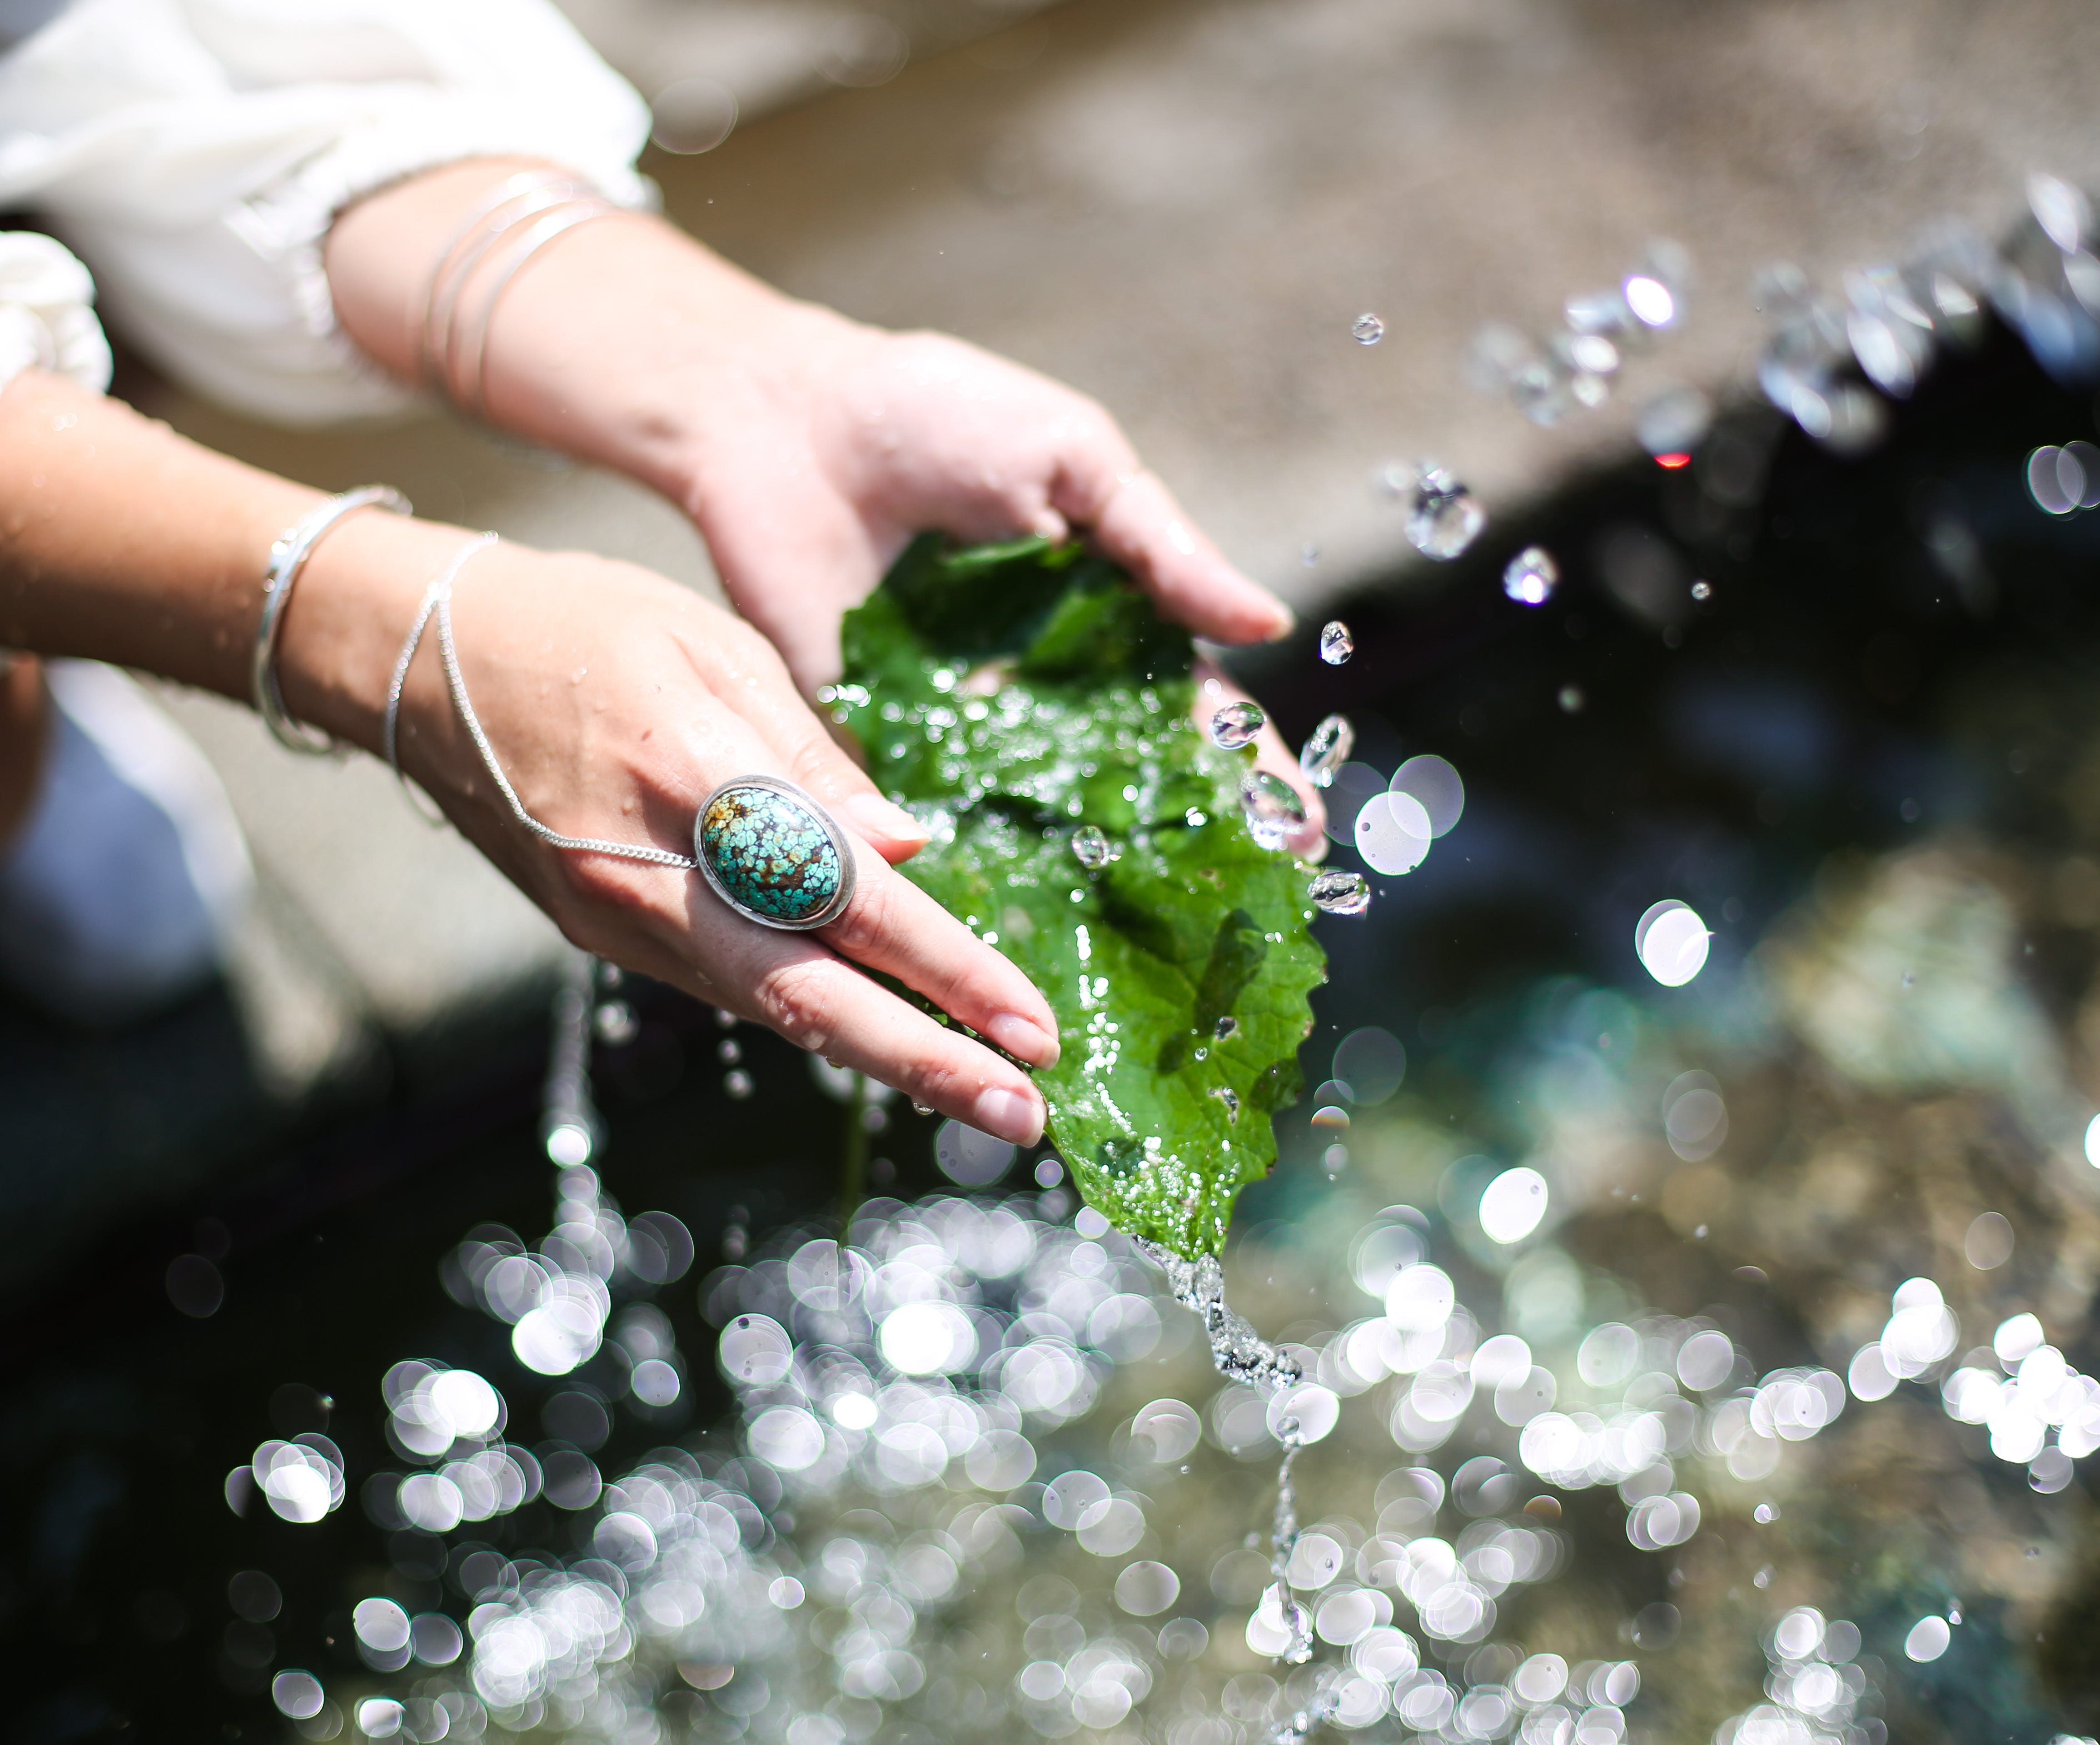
[[1011, 695]]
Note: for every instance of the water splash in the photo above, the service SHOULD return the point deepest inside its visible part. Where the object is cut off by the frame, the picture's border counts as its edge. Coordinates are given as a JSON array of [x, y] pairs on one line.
[[1239, 1353]]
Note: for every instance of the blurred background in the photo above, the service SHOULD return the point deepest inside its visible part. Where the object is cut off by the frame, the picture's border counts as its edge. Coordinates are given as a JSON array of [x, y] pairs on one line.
[[1811, 658]]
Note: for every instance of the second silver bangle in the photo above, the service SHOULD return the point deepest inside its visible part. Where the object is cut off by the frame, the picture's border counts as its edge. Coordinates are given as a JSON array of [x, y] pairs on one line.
[[287, 557]]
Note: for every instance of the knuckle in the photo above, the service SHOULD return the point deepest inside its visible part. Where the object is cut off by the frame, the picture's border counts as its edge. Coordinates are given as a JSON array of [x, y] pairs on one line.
[[814, 761], [867, 919], [791, 998]]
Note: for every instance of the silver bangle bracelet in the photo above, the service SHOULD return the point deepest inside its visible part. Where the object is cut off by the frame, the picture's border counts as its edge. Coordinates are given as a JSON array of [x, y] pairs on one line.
[[509, 205], [288, 557], [452, 349], [471, 396]]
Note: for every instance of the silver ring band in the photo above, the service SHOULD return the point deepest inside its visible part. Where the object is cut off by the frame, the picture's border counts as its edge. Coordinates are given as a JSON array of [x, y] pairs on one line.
[[288, 557], [774, 854]]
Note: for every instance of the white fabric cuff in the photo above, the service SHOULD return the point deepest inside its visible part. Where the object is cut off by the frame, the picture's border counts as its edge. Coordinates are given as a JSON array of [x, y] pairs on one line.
[[46, 317], [195, 154]]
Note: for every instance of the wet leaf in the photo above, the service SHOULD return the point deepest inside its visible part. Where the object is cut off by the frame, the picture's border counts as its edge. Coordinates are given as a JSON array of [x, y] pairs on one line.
[[1011, 695]]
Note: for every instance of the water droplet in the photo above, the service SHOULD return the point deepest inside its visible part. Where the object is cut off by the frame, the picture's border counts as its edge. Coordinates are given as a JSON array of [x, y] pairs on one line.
[[616, 1023], [1327, 749], [1336, 644], [1571, 699], [1297, 1623], [1532, 577], [1230, 1099], [1367, 330], [1586, 354], [1598, 312], [1546, 393], [1236, 725], [1225, 1026], [1652, 302], [1445, 517], [1341, 893], [1309, 554], [738, 1083], [1091, 845], [1675, 422], [1274, 812], [1702, 590]]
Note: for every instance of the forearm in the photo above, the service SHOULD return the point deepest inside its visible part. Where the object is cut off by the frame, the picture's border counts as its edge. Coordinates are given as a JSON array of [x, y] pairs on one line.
[[122, 541], [621, 342]]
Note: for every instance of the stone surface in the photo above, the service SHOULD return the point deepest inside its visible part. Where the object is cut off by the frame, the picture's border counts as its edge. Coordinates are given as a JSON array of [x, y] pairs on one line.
[[1183, 206], [770, 853]]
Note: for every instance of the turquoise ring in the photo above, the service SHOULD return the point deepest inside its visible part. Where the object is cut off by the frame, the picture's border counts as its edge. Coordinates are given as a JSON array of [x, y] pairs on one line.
[[774, 854]]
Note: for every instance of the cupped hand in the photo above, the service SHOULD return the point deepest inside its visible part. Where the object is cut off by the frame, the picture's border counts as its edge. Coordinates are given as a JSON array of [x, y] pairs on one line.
[[842, 442], [616, 701]]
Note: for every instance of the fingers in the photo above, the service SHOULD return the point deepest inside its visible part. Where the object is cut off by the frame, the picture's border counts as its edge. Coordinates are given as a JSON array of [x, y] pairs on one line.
[[746, 674], [824, 1004], [1213, 690], [893, 926], [1134, 519]]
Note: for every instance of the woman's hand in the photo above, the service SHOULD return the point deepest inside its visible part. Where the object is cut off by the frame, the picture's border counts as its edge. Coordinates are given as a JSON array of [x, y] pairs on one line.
[[808, 449], [853, 439], [616, 701]]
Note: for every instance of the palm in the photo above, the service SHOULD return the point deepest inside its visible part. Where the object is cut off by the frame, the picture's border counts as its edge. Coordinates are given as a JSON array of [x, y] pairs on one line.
[[886, 436]]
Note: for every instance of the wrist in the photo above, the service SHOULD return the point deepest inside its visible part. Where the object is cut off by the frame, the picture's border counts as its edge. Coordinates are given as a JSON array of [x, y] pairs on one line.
[[628, 344], [342, 630]]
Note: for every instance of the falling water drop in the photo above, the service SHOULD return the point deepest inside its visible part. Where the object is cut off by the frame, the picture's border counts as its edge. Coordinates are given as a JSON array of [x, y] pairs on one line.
[[1444, 517], [1296, 1621], [1336, 644], [1236, 725], [1327, 749], [1092, 847], [1339, 892], [1274, 812], [1532, 577], [1367, 330]]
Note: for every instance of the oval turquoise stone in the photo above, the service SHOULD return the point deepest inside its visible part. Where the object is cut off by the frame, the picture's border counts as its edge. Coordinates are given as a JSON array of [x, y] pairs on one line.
[[772, 853]]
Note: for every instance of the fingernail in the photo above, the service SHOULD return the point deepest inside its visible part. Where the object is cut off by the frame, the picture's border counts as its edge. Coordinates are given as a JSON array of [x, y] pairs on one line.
[[1007, 1114], [1286, 622], [1023, 1037], [876, 817]]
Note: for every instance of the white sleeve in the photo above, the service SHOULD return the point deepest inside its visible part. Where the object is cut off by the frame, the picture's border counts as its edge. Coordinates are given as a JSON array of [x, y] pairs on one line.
[[46, 317], [195, 152]]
